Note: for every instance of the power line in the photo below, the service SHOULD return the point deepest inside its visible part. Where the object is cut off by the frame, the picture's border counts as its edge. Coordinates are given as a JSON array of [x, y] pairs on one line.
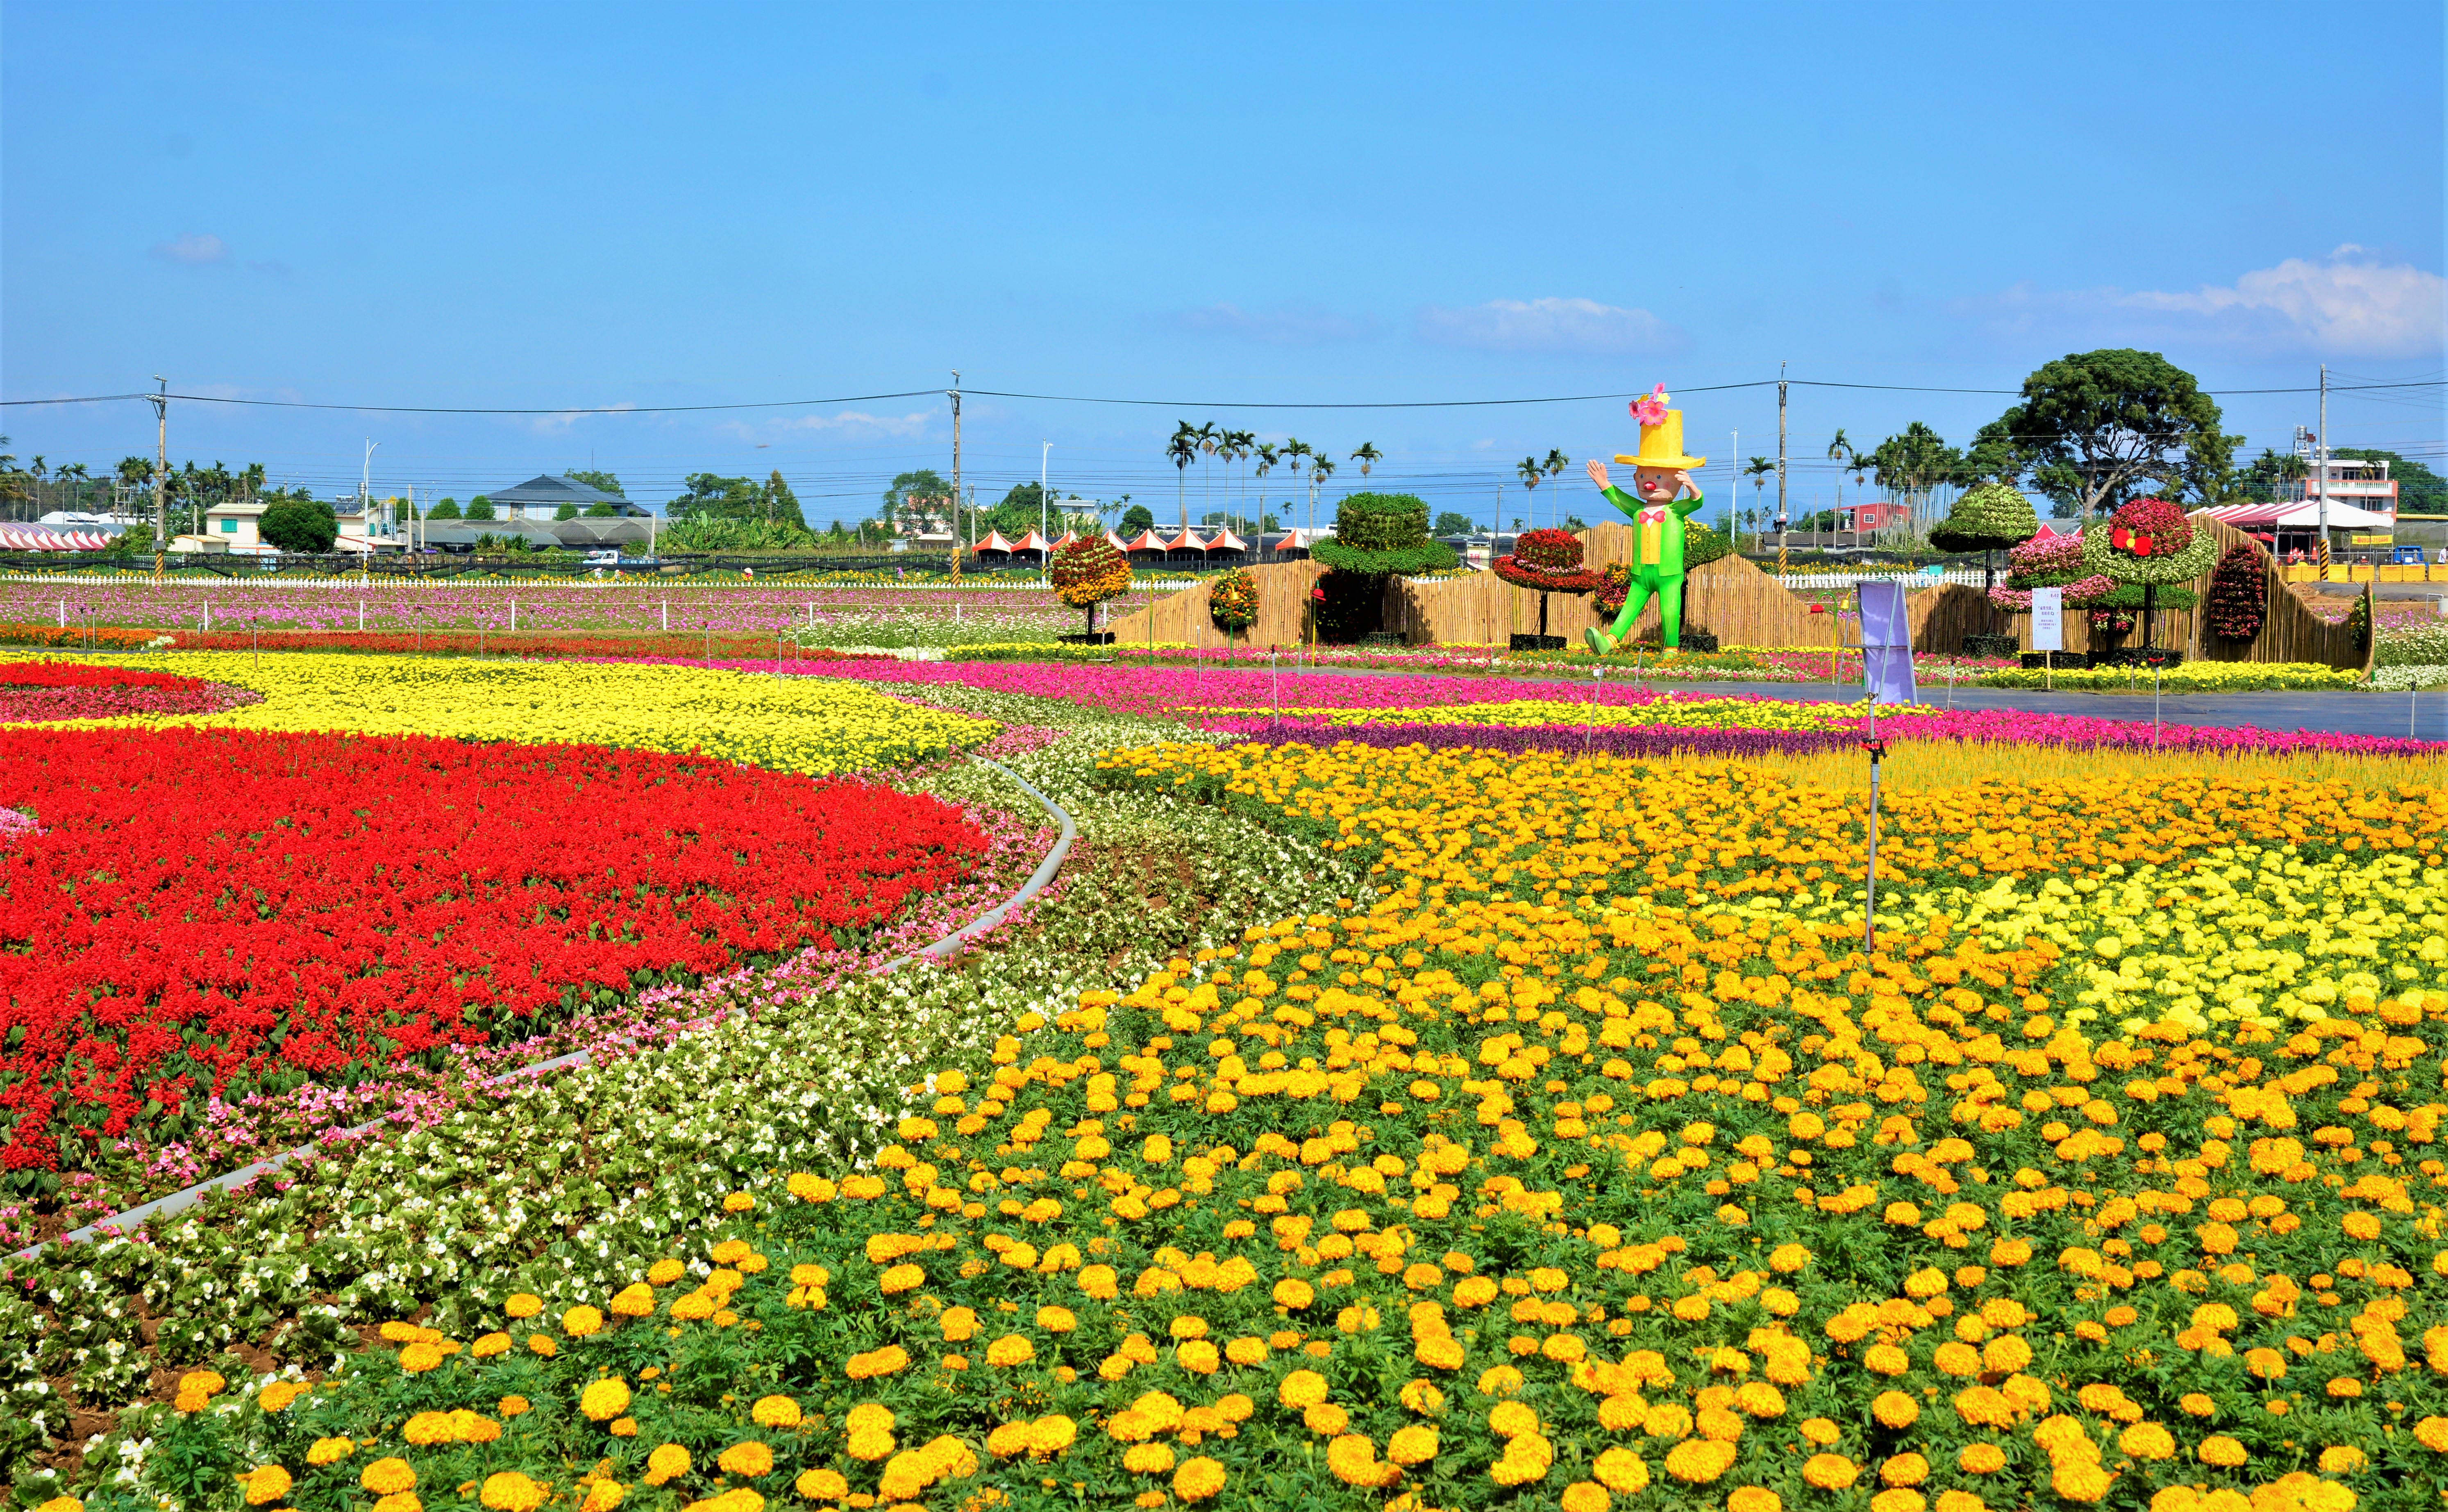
[[1165, 404]]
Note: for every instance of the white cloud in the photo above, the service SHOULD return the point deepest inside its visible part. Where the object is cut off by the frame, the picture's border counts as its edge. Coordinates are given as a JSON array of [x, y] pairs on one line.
[[2349, 305], [1548, 325], [1296, 324], [555, 423], [194, 249], [849, 421], [2346, 303]]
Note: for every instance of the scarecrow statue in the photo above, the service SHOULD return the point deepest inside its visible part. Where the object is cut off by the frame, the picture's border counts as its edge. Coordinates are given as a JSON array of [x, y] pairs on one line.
[[1660, 475]]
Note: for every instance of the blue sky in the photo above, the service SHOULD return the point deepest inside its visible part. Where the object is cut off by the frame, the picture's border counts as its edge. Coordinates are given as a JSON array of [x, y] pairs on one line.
[[531, 207]]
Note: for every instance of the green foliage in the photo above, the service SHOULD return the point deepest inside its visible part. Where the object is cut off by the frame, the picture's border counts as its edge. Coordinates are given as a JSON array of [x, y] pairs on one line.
[[1377, 534], [1136, 519], [1913, 463], [567, 511], [2419, 490], [2095, 427], [299, 525], [480, 507], [594, 478], [602, 511], [1449, 522], [1703, 543], [922, 483], [447, 509], [1989, 517]]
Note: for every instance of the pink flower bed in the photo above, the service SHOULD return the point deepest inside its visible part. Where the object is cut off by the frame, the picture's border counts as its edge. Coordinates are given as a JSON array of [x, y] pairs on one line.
[[43, 705]]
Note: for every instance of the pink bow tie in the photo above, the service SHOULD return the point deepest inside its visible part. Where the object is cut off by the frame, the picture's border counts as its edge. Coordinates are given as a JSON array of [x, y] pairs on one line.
[[1656, 516]]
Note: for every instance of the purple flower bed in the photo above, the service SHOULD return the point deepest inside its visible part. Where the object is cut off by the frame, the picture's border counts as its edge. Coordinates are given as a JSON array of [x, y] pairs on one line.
[[1995, 726]]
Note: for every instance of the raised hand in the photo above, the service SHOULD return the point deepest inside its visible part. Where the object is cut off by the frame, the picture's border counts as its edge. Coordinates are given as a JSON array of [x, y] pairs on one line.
[[1599, 473]]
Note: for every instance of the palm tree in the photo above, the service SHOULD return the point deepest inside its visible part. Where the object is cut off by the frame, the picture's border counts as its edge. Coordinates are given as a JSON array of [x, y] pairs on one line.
[[1555, 464], [1182, 449], [1237, 445], [2293, 468], [1530, 472], [1208, 437], [1759, 471], [1367, 457], [1321, 468], [1838, 450], [1296, 454]]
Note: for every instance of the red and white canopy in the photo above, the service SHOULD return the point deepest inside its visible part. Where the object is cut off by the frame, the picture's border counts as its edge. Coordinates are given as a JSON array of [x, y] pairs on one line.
[[1227, 541], [1144, 541], [2296, 515], [1186, 541], [1066, 538], [1032, 542], [27, 537], [994, 542]]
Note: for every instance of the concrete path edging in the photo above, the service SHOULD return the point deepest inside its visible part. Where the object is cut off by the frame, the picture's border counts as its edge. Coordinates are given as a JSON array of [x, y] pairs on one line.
[[949, 945]]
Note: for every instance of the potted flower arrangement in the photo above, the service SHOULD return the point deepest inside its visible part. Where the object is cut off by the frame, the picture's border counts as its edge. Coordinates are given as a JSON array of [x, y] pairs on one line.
[[1233, 603], [1545, 562], [1086, 573], [2148, 548]]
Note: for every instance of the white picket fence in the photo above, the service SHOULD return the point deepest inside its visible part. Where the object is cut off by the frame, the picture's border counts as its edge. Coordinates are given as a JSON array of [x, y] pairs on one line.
[[1968, 576]]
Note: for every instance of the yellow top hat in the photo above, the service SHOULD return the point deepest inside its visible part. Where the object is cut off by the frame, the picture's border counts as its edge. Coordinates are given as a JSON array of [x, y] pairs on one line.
[[1661, 446]]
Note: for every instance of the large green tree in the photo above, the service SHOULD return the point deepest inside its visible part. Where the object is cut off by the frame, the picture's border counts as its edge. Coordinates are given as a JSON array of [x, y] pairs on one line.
[[2095, 428], [1914, 462], [299, 525], [599, 481]]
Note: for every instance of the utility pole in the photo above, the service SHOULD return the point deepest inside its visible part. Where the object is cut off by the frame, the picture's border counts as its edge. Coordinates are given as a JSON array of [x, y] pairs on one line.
[[956, 475], [1733, 487], [1780, 468], [1045, 553], [2321, 465], [161, 403]]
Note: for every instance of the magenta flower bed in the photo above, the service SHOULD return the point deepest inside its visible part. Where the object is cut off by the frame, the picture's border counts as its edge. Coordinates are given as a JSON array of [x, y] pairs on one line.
[[41, 705]]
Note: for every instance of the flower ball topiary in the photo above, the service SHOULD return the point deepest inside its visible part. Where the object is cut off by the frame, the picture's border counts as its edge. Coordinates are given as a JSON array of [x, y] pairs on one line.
[[1233, 603], [2148, 541], [1089, 571], [1548, 561]]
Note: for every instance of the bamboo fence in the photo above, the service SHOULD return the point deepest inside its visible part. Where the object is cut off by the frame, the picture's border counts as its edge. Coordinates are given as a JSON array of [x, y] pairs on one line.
[[1737, 602]]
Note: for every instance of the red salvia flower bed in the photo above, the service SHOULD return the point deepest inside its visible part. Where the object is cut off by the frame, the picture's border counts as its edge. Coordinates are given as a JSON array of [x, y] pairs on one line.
[[74, 675], [213, 909]]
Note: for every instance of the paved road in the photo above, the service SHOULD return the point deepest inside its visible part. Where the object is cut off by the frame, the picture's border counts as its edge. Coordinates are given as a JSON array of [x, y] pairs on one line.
[[2391, 714]]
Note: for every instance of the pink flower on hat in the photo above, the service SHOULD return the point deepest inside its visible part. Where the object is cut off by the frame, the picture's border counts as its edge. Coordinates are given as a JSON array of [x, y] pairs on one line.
[[1651, 408]]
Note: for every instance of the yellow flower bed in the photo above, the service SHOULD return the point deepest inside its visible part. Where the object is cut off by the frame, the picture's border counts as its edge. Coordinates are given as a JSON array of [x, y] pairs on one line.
[[790, 724], [1563, 1173], [1690, 714], [2193, 677]]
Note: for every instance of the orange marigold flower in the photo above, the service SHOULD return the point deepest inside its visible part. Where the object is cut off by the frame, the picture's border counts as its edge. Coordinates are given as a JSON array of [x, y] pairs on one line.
[[1896, 1410], [748, 1457], [2221, 1451], [1197, 1479], [1981, 1459], [1830, 1472]]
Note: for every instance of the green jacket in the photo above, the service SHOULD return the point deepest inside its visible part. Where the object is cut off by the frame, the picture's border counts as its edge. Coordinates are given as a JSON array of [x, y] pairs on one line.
[[1670, 562]]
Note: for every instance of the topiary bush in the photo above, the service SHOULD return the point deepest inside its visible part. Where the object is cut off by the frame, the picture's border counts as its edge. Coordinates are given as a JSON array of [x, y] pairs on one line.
[[1989, 517], [2239, 595], [1383, 535], [1233, 603], [1087, 572]]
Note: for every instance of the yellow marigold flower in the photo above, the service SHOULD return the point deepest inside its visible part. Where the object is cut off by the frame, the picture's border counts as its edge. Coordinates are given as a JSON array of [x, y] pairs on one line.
[[2341, 1459], [1302, 1389], [62, 1504], [510, 1491], [1324, 1419], [668, 1463], [510, 1407], [1415, 1444], [1897, 1499], [1830, 1472], [2344, 1386], [739, 1202], [750, 1457], [540, 1343], [1619, 1469], [1588, 1496], [1247, 1352], [1294, 1294], [265, 1483], [2431, 1433], [330, 1451], [1440, 1352], [603, 1496], [822, 1485], [902, 1277], [1820, 1431], [1699, 1460], [1009, 1441], [1057, 1320], [1148, 1459], [1010, 1350], [2006, 1355], [1904, 1469], [523, 1305], [873, 1362], [2148, 1441], [604, 1400], [2221, 1451], [427, 1428], [1510, 1420], [624, 1428], [2197, 1403], [635, 1300], [1755, 1498], [419, 1357], [775, 1412], [2267, 1363], [1197, 1479], [1052, 1435], [1885, 1359], [1959, 1502], [491, 1345], [1896, 1410], [1422, 1397], [1760, 1399], [1981, 1459], [2078, 1480], [1353, 1461], [387, 1475], [1500, 1381], [277, 1397]]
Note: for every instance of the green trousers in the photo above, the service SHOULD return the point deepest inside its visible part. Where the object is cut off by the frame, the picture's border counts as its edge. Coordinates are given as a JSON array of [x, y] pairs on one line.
[[1670, 606]]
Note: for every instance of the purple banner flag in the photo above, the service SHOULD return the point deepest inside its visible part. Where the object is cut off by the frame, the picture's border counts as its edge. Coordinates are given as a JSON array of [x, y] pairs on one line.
[[1886, 643]]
